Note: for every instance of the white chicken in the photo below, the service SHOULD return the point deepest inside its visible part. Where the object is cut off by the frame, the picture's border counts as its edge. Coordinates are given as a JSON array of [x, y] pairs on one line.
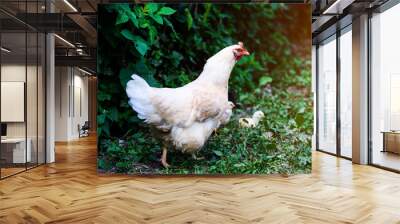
[[189, 114]]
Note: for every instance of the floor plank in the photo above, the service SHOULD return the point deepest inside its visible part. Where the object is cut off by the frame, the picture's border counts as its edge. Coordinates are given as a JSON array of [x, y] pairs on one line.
[[70, 191]]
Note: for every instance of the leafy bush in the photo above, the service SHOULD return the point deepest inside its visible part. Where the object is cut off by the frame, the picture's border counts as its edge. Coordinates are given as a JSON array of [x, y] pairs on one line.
[[168, 45]]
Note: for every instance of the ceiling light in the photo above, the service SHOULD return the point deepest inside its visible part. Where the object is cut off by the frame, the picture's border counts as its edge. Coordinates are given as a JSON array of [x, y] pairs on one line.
[[84, 71], [5, 50], [70, 5], [65, 41]]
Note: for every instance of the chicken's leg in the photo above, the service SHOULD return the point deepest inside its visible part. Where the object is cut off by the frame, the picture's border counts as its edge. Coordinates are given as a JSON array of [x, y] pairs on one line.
[[164, 157]]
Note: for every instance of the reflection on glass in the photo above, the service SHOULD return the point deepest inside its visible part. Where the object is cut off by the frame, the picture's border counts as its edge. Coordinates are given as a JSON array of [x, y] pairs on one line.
[[14, 153], [327, 96], [386, 89], [22, 90], [346, 94]]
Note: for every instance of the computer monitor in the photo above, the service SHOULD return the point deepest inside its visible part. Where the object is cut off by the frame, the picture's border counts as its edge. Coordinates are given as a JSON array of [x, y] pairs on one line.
[[3, 129]]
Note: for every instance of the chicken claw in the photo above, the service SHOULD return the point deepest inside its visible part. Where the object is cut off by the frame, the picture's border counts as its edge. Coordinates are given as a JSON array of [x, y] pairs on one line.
[[164, 158]]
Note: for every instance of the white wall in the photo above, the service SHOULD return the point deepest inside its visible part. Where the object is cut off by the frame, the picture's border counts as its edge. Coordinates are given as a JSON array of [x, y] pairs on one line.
[[71, 102]]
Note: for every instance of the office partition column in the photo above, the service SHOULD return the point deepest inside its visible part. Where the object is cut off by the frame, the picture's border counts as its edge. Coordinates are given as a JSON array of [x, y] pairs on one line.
[[360, 90]]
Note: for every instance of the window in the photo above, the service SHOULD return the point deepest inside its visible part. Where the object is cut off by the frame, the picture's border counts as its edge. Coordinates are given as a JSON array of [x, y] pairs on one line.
[[327, 95], [346, 92], [385, 89]]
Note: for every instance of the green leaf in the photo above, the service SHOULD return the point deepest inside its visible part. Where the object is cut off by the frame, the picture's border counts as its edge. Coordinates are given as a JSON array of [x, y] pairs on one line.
[[157, 18], [151, 8], [101, 164], [152, 34], [299, 119], [144, 23], [101, 118], [128, 34], [141, 46], [122, 18], [103, 96], [189, 19], [133, 18], [218, 153], [113, 115], [264, 80], [124, 76], [168, 23], [166, 11], [207, 12]]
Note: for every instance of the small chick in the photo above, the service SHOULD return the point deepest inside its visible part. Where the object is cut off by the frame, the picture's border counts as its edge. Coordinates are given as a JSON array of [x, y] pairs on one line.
[[253, 121]]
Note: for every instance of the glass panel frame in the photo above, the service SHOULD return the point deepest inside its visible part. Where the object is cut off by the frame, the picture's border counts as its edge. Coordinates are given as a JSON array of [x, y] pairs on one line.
[[338, 100], [26, 57]]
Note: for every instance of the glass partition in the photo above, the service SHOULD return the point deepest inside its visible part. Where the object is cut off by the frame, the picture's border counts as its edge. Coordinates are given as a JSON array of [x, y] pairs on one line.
[[22, 77], [346, 93], [385, 89], [327, 95], [14, 153]]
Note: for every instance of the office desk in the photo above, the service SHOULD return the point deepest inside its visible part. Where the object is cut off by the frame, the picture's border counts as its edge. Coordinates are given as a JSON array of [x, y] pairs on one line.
[[16, 147]]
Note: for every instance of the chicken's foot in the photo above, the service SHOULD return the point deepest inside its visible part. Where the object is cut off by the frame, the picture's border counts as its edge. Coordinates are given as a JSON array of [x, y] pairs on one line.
[[164, 158]]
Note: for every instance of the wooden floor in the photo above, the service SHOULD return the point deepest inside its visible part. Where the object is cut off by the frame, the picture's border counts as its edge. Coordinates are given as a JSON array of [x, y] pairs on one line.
[[70, 191]]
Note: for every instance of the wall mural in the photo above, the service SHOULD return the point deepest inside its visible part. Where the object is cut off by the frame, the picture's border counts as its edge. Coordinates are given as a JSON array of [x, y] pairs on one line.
[[204, 89]]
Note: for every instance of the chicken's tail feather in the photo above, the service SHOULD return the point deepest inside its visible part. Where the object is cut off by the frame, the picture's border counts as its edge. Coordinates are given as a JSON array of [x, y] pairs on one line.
[[139, 92]]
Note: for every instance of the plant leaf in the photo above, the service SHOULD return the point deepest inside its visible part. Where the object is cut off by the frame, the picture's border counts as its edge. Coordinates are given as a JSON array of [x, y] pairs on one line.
[[128, 34], [122, 18], [218, 153], [168, 23], [157, 18], [151, 8], [141, 46], [133, 18], [166, 11], [152, 34], [264, 80], [189, 19]]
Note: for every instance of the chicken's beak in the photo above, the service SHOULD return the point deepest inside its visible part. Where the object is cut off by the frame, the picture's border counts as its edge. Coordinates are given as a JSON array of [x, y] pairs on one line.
[[240, 53], [245, 52]]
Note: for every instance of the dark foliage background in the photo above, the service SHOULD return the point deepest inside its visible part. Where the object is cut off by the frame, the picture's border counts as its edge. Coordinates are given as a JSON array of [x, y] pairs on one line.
[[168, 46]]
